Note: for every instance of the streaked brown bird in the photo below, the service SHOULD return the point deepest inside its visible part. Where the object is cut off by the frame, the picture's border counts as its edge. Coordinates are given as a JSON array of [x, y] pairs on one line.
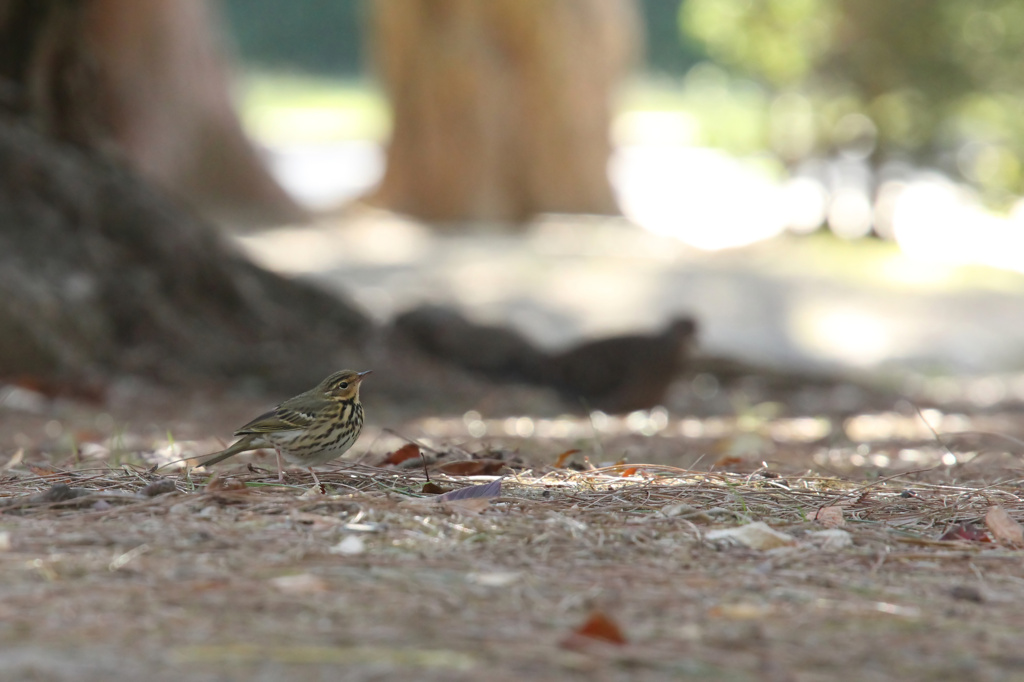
[[310, 429]]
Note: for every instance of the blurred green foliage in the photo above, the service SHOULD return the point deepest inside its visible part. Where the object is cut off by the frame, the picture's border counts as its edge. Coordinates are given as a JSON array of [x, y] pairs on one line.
[[937, 81], [320, 37], [325, 37]]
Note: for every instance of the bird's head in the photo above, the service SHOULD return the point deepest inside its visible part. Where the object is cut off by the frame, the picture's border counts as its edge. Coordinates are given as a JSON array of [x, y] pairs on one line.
[[343, 385]]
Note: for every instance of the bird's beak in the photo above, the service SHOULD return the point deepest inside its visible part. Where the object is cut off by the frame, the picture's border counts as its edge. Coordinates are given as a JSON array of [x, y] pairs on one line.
[[362, 375]]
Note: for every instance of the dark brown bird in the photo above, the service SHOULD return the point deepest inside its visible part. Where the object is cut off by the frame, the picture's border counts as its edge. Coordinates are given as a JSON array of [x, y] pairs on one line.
[[623, 373]]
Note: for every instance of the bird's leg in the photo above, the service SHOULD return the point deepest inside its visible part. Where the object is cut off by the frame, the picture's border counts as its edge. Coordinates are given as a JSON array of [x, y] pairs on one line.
[[316, 481], [280, 466]]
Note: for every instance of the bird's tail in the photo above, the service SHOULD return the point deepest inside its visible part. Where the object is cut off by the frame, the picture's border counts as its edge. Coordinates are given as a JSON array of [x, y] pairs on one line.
[[243, 444]]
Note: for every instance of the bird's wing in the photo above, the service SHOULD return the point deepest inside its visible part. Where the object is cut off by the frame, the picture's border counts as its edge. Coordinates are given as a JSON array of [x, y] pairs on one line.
[[281, 418]]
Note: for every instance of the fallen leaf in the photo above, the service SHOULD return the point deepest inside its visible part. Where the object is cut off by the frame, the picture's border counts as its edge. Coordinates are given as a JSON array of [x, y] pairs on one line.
[[314, 492], [677, 509], [631, 471], [742, 611], [495, 578], [42, 471], [729, 462], [564, 457], [15, 459], [431, 488], [1004, 529], [758, 535], [302, 583], [598, 627], [89, 436], [968, 532], [485, 490], [472, 467], [830, 517], [350, 546], [407, 451], [829, 540]]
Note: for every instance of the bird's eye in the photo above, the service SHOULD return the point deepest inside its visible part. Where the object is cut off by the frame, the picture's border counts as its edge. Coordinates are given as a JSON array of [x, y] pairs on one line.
[[343, 385]]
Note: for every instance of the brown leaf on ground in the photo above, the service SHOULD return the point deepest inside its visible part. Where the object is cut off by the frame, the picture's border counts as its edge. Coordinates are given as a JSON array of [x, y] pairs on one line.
[[43, 471], [89, 436], [830, 517], [407, 451], [472, 467], [598, 627], [966, 532], [431, 488], [562, 459], [1004, 529]]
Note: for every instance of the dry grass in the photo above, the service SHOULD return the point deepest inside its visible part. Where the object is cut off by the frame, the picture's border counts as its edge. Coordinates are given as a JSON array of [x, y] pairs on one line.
[[376, 581]]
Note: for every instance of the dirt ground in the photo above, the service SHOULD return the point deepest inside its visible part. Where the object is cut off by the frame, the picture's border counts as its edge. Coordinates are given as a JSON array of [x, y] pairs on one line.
[[887, 560]]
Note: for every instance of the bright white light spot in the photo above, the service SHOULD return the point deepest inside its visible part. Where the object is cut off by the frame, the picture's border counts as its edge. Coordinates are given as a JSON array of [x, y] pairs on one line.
[[879, 460], [691, 428], [524, 427], [987, 391], [806, 201], [850, 335], [913, 456], [850, 214], [636, 421], [656, 127], [701, 196]]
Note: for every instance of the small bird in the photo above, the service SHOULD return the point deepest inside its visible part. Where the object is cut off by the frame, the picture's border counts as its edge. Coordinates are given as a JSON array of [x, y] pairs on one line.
[[312, 428], [624, 373]]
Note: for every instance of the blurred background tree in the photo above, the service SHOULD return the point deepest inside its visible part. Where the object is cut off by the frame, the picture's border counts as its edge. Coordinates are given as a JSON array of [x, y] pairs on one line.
[[501, 110], [103, 103], [928, 82], [933, 81]]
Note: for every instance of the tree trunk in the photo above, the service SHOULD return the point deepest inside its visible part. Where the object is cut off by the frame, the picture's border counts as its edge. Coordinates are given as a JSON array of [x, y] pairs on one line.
[[501, 108], [165, 88], [99, 271]]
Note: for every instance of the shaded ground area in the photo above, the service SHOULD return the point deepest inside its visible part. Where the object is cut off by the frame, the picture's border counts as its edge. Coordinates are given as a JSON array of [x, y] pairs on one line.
[[239, 578], [795, 302]]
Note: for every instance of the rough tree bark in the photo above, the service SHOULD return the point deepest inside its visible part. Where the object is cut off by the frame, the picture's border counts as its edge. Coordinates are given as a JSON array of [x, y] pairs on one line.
[[501, 108], [100, 271]]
